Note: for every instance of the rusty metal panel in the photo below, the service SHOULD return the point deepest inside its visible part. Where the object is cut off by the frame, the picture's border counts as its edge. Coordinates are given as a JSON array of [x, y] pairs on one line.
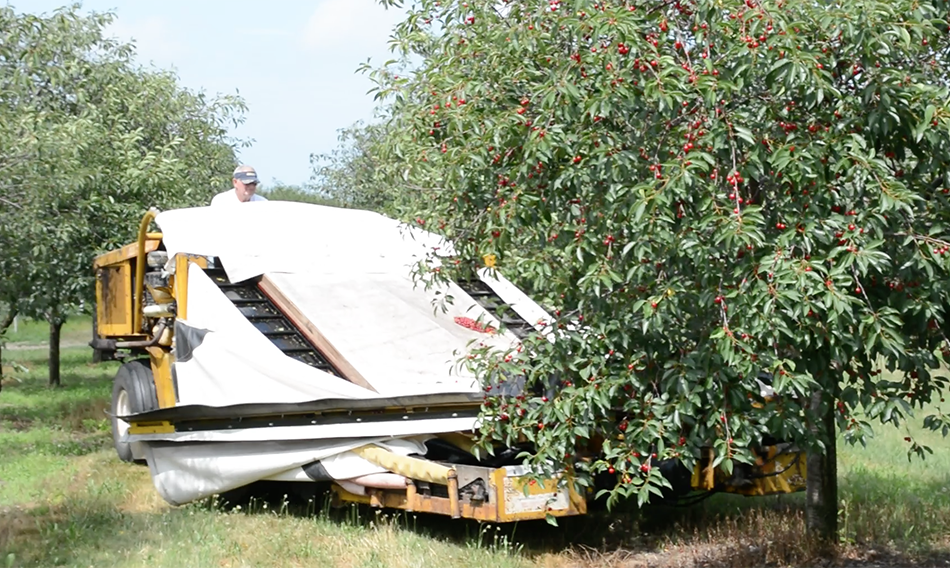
[[114, 300], [506, 499], [522, 498]]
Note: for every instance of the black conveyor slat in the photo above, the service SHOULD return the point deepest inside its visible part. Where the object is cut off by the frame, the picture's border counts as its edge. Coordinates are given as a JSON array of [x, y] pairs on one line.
[[261, 312], [493, 304]]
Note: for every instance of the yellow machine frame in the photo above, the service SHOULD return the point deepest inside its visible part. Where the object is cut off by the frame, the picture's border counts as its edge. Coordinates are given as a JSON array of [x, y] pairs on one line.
[[120, 318]]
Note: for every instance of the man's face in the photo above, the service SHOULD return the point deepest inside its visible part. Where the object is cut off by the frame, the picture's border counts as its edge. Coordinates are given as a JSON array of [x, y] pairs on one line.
[[245, 191]]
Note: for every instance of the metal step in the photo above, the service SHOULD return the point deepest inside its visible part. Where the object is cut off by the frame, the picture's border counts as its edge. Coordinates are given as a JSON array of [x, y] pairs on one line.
[[269, 320]]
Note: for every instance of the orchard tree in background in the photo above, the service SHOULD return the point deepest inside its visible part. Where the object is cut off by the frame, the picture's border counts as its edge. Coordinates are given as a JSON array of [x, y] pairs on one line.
[[704, 193], [353, 175], [284, 192], [88, 142]]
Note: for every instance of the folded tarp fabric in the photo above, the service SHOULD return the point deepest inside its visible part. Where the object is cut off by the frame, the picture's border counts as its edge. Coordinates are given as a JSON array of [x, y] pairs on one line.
[[274, 237], [236, 364], [187, 472], [347, 273]]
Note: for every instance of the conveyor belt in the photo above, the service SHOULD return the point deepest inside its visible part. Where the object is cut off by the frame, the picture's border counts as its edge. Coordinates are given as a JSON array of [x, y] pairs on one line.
[[268, 319], [493, 304], [420, 404]]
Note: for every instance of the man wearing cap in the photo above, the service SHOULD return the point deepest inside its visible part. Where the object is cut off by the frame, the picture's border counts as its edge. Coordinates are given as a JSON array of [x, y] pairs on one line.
[[245, 183]]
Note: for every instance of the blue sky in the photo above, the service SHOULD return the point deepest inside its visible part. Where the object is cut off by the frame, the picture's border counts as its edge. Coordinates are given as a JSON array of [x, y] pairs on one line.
[[292, 61]]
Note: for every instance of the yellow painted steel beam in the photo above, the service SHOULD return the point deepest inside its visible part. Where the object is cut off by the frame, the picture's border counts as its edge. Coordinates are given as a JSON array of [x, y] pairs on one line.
[[163, 427], [511, 498], [127, 252], [415, 502], [161, 360], [179, 284]]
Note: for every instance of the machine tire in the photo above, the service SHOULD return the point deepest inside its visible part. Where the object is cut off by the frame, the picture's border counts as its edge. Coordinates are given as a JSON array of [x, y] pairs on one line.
[[133, 391]]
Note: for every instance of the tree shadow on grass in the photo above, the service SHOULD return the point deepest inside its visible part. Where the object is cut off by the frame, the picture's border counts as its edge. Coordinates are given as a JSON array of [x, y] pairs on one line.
[[628, 536], [93, 530], [723, 531]]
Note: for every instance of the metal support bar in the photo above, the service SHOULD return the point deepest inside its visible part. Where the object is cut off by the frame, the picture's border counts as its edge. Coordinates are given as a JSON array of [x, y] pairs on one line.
[[454, 494], [140, 269], [410, 495]]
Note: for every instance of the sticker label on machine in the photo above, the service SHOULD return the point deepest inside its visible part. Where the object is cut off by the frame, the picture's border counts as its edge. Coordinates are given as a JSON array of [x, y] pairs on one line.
[[540, 495]]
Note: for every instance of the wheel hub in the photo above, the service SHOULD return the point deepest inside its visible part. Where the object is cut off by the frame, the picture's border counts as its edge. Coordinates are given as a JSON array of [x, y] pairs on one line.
[[122, 408]]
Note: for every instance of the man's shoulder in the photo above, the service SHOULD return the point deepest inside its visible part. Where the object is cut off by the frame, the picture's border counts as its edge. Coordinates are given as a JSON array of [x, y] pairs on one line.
[[257, 197]]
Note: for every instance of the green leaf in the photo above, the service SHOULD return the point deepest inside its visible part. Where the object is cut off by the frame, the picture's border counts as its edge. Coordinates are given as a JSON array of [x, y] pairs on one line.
[[745, 134]]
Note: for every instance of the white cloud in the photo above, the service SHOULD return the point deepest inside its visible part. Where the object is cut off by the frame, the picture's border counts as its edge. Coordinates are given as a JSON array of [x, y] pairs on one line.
[[156, 40], [364, 25]]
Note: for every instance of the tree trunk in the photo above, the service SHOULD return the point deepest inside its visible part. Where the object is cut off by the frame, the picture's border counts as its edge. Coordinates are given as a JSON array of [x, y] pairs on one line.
[[4, 324], [55, 326], [821, 492]]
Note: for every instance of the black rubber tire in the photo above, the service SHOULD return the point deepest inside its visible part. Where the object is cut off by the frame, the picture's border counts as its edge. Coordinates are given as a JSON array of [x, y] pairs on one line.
[[134, 380]]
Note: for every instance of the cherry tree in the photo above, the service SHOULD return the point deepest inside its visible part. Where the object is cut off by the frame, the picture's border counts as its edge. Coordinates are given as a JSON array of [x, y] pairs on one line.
[[709, 196]]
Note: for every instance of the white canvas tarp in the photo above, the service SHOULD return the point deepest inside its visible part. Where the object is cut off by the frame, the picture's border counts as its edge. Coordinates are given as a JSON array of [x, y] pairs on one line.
[[186, 472], [236, 364], [348, 273]]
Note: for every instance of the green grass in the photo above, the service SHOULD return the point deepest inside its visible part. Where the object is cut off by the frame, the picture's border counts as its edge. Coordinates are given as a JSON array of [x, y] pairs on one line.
[[887, 498], [77, 329], [65, 500]]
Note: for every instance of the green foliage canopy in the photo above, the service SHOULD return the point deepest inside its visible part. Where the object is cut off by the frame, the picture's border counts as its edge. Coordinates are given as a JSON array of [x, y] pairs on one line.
[[705, 193], [88, 142], [352, 174]]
